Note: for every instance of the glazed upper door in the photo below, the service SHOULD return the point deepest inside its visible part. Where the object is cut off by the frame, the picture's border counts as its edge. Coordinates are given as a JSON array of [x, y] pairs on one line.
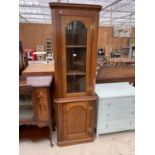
[[76, 45]]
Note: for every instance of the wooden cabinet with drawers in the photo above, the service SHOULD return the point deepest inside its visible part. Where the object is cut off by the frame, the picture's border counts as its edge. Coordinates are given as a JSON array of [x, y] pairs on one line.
[[115, 107], [35, 101], [75, 31]]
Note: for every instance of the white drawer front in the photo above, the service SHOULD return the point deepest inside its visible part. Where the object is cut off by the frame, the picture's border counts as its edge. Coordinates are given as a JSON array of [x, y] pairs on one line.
[[116, 113], [124, 102], [116, 125]]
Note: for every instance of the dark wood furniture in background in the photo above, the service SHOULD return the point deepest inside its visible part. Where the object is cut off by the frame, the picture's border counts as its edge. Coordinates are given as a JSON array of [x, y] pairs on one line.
[[116, 74], [75, 34], [35, 101], [39, 70], [33, 132], [23, 62]]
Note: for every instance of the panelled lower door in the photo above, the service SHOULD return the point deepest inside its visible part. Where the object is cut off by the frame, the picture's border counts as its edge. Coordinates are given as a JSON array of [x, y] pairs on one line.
[[76, 34], [77, 120]]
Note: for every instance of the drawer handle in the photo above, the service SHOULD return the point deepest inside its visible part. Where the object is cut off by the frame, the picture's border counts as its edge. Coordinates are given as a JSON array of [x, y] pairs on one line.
[[130, 123]]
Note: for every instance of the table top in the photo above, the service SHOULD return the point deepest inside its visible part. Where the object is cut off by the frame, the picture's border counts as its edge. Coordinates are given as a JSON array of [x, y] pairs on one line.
[[118, 89], [35, 81], [39, 69]]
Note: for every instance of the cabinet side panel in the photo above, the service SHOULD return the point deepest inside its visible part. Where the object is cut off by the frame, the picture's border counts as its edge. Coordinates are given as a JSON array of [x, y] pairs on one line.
[[57, 52], [94, 52], [59, 121]]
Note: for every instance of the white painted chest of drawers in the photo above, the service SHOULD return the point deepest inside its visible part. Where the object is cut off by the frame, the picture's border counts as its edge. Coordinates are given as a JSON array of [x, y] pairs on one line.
[[115, 107]]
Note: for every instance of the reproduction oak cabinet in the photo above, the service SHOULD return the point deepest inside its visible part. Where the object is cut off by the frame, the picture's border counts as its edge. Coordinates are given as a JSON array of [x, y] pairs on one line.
[[35, 101], [75, 33]]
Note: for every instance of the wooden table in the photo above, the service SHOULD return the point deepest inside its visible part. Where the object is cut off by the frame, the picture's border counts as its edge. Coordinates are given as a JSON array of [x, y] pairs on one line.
[[39, 69]]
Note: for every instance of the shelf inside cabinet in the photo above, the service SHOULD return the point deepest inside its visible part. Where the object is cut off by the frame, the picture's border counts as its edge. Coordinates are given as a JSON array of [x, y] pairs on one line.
[[79, 63], [25, 104], [75, 72], [76, 46], [26, 113], [25, 100]]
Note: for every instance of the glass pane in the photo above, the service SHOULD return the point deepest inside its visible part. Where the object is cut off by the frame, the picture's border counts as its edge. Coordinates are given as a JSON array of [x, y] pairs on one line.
[[76, 33], [76, 39], [25, 106]]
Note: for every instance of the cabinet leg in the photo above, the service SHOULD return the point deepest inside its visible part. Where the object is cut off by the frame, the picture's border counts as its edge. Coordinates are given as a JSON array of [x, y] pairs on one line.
[[51, 139], [51, 135], [97, 134], [51, 143]]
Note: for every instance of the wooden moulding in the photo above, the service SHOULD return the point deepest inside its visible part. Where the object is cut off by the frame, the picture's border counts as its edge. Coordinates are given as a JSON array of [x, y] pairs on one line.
[[75, 141], [75, 99], [76, 6]]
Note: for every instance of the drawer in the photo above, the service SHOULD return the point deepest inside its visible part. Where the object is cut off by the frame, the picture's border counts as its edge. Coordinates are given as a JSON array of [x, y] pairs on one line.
[[116, 113], [116, 125], [121, 102]]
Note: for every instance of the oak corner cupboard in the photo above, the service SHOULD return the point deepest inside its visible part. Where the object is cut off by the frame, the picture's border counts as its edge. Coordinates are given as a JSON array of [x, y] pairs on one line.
[[75, 34]]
